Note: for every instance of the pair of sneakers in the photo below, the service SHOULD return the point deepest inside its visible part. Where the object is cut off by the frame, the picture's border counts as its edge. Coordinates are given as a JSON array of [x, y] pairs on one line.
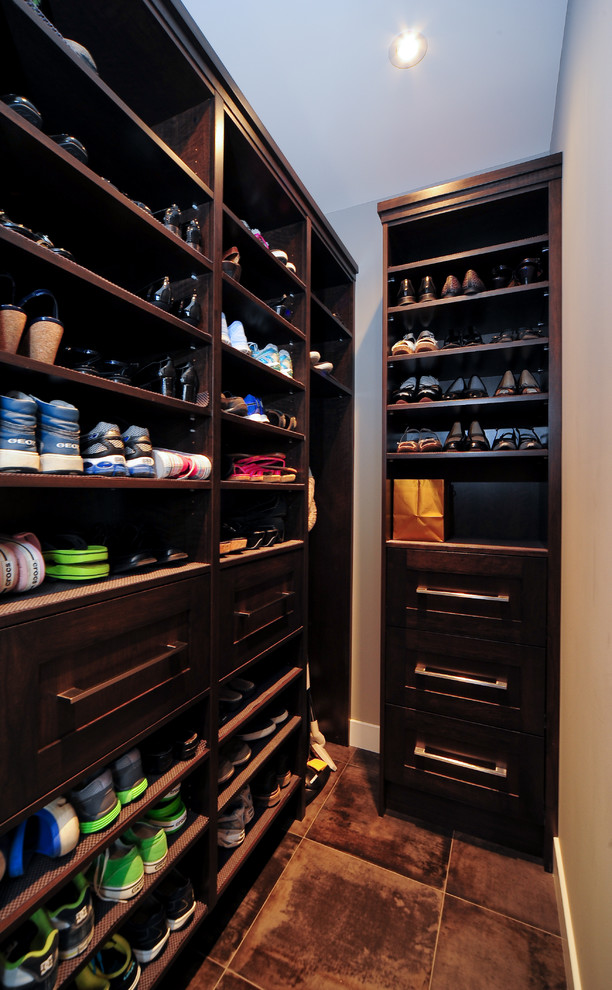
[[232, 822], [109, 452], [99, 799], [234, 335], [38, 436], [279, 359]]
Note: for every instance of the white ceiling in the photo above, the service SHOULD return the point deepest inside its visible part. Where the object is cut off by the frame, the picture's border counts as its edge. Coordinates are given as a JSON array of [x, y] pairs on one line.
[[354, 128]]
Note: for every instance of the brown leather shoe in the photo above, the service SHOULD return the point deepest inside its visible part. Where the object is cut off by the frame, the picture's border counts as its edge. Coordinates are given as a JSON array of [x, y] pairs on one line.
[[427, 289], [472, 283], [452, 287], [406, 294]]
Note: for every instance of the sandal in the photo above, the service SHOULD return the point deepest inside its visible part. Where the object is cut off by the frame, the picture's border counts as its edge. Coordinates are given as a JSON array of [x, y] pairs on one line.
[[504, 337], [279, 418], [529, 333], [260, 467], [504, 440], [529, 440], [409, 442]]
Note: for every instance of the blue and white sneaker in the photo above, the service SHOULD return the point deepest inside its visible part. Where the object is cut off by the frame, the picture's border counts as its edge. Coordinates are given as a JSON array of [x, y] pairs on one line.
[[104, 451], [18, 451], [138, 452], [269, 356], [225, 337], [286, 364], [238, 338], [58, 437], [255, 409]]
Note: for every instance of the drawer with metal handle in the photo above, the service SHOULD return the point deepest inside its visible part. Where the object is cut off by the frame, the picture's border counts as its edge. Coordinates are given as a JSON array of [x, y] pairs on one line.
[[495, 683], [261, 604], [492, 596], [495, 770], [81, 684]]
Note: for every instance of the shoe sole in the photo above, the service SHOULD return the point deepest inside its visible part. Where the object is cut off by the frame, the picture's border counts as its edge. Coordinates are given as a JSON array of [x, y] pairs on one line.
[[61, 464], [154, 865], [112, 467], [88, 827], [176, 923], [121, 893], [173, 824], [142, 467], [268, 800], [17, 460], [133, 792], [230, 839], [76, 950]]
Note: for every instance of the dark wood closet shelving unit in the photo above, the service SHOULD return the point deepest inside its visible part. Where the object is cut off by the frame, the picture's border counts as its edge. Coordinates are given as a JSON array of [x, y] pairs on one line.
[[163, 123], [471, 632]]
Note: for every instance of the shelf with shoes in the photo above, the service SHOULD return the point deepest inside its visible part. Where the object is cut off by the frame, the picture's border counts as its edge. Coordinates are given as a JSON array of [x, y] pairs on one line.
[[258, 269], [44, 876], [261, 754], [491, 243], [278, 319], [152, 972]]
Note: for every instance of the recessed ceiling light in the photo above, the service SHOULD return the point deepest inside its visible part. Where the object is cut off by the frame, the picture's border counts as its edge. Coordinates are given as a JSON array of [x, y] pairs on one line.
[[407, 49]]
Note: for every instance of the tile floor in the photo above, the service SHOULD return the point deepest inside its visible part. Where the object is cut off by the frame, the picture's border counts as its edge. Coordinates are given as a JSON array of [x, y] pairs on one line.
[[349, 899]]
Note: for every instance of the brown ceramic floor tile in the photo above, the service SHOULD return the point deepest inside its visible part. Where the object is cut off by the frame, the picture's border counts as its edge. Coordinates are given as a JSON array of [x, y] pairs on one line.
[[349, 821], [191, 972], [364, 758], [505, 883], [231, 981], [237, 910], [478, 950], [340, 754], [334, 921]]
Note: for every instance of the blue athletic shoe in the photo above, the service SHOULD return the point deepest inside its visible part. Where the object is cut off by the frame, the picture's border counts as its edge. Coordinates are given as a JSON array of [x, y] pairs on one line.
[[104, 451], [255, 409], [138, 452], [58, 437], [18, 451], [269, 356]]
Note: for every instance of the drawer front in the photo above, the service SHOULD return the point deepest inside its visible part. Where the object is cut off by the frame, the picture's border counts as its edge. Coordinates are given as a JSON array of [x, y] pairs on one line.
[[493, 770], [499, 684], [490, 596], [81, 684], [261, 604]]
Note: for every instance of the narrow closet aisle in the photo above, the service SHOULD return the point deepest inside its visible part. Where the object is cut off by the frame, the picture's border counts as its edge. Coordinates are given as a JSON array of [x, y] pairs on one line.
[[349, 899]]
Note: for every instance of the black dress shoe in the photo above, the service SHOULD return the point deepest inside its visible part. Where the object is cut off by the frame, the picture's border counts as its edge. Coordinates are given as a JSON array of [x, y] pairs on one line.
[[501, 276], [429, 389], [476, 388], [529, 440], [456, 390], [527, 384], [456, 438], [454, 339], [406, 294], [472, 283], [406, 392], [529, 270], [504, 337], [452, 287], [427, 289], [476, 439], [504, 440], [507, 385], [470, 337]]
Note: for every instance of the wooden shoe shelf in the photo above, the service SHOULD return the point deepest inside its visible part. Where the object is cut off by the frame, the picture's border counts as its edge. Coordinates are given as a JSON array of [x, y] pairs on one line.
[[89, 670], [470, 670]]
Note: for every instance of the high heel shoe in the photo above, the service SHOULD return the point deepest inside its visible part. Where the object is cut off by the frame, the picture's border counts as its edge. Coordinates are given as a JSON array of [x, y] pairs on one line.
[[476, 439]]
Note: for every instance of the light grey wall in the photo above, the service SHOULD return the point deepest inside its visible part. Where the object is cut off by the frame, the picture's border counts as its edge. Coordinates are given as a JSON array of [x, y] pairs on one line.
[[361, 231], [583, 129]]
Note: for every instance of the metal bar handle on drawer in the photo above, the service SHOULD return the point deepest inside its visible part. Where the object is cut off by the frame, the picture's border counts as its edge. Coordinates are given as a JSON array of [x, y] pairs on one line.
[[73, 695], [422, 589], [500, 683], [498, 771]]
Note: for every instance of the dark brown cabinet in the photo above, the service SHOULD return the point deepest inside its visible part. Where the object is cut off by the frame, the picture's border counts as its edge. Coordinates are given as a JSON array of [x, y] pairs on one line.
[[470, 669], [89, 669]]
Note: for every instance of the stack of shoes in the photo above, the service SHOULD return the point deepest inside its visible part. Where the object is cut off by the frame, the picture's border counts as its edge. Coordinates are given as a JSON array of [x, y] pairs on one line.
[[30, 955], [232, 822], [68, 557], [71, 912], [147, 931], [259, 467], [22, 563], [113, 965]]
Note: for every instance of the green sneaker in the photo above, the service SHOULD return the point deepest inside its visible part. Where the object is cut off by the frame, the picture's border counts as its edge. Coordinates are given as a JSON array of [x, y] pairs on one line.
[[151, 842], [112, 968], [170, 814], [30, 956], [118, 873], [71, 911]]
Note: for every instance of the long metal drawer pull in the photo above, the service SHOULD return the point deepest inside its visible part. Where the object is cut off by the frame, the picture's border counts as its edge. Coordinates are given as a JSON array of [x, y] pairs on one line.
[[73, 695], [500, 683], [499, 771], [284, 600], [422, 589]]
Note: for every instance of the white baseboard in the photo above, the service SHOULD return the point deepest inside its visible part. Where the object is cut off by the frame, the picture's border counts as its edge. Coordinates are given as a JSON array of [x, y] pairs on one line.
[[572, 973], [364, 735]]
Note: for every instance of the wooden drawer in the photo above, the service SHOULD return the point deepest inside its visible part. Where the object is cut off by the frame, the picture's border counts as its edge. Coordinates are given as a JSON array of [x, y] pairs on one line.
[[493, 770], [261, 604], [498, 684], [79, 685], [490, 596]]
